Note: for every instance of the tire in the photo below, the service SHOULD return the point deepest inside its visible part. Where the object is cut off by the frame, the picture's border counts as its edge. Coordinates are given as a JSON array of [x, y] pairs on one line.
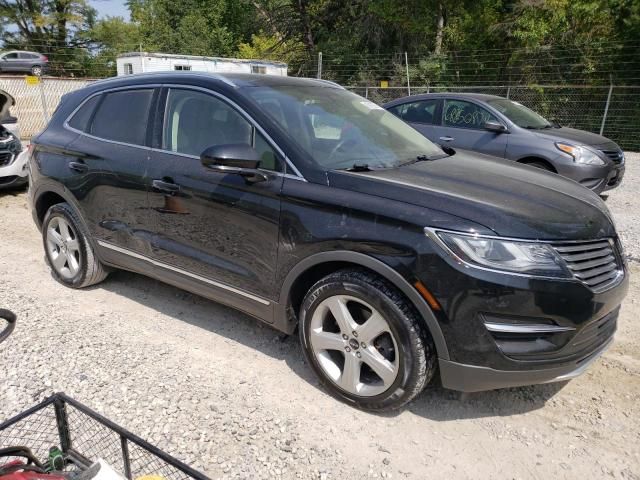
[[69, 253], [36, 70], [540, 165], [403, 346]]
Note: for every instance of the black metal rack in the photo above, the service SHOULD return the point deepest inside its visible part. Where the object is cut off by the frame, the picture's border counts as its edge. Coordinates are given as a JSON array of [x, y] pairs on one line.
[[84, 435]]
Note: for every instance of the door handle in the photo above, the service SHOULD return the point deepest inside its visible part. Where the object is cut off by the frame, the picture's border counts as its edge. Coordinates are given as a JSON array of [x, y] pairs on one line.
[[446, 139], [166, 187], [79, 167]]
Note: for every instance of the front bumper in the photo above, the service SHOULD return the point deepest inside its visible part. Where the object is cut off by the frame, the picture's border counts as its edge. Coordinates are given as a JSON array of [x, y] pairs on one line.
[[597, 178], [474, 378], [16, 172], [506, 330]]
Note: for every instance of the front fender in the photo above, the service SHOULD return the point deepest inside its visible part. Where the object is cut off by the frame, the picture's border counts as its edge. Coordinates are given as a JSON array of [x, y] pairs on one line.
[[366, 261]]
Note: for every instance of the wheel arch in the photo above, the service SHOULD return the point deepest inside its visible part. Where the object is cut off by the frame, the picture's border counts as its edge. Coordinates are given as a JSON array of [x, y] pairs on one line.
[[44, 202], [535, 159], [50, 194], [312, 268]]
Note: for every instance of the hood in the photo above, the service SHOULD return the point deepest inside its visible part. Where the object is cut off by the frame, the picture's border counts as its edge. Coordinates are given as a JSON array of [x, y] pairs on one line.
[[6, 102], [575, 136], [510, 199]]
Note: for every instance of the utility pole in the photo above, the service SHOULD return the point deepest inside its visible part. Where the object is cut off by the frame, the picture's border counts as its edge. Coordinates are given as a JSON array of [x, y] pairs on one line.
[[141, 59], [406, 62]]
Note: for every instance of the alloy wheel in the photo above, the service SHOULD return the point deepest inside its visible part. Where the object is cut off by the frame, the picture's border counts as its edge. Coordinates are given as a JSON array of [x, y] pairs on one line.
[[63, 247], [354, 345]]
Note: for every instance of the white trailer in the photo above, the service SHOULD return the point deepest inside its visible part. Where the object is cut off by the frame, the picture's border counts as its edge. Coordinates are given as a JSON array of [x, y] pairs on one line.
[[142, 62]]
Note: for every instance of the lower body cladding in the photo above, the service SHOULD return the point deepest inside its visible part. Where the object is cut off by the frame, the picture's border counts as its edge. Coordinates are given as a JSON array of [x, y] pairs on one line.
[[14, 169], [509, 331]]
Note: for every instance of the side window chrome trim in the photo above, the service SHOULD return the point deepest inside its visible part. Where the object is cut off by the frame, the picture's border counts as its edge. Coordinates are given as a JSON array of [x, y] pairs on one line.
[[102, 92], [247, 117]]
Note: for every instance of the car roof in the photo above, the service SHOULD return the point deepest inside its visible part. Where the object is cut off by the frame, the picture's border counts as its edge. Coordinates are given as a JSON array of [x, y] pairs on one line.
[[18, 51], [237, 80], [425, 96]]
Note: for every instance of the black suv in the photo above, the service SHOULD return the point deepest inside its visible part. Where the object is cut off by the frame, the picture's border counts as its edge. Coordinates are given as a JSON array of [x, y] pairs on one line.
[[307, 206]]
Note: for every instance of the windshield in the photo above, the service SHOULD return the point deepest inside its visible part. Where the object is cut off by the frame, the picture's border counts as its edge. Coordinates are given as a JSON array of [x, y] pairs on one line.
[[339, 129], [519, 114]]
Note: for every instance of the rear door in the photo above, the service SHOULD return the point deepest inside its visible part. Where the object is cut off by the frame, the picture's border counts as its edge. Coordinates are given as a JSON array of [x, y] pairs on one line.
[[106, 170], [463, 127], [215, 227], [423, 115], [26, 61]]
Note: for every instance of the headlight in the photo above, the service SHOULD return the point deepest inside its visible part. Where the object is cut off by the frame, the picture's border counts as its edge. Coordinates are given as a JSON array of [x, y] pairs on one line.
[[537, 259], [583, 155]]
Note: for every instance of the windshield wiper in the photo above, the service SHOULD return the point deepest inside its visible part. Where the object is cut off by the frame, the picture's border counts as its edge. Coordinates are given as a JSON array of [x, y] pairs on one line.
[[543, 127], [425, 158], [358, 167]]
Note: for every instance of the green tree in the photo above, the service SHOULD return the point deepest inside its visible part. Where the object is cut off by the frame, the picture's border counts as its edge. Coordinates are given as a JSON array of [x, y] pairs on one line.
[[110, 37], [190, 27]]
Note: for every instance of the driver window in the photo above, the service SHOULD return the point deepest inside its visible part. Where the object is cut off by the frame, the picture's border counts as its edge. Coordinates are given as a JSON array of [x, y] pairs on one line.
[[463, 114], [195, 121]]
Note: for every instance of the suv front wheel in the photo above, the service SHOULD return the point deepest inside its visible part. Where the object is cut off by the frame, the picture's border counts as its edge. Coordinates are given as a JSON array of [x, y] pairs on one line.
[[68, 250], [363, 339]]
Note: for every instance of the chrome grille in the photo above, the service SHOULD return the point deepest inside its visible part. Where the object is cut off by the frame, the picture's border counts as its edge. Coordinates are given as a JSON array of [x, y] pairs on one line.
[[594, 263], [615, 156], [5, 158]]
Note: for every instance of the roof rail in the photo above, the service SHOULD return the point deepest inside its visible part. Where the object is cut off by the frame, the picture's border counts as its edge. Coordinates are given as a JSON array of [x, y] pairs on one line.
[[329, 82], [165, 72]]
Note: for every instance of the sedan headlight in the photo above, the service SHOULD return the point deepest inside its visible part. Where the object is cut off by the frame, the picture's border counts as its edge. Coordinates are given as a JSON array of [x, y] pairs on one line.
[[581, 154], [527, 258]]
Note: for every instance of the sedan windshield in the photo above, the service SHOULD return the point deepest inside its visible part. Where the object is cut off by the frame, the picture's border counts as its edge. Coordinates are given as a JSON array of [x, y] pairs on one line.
[[339, 129], [519, 114]]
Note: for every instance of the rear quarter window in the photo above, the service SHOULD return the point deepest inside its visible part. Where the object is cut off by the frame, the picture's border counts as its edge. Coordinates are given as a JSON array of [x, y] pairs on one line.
[[122, 116], [80, 120]]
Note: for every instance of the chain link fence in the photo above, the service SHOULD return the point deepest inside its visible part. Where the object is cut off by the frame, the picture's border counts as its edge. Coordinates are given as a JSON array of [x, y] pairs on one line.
[[35, 103], [609, 110]]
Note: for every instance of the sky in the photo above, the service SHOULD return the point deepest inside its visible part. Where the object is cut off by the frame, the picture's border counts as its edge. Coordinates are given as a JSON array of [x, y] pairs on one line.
[[113, 8]]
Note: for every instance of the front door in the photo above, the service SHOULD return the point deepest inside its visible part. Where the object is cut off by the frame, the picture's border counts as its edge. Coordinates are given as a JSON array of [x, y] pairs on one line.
[[423, 115], [463, 127], [210, 225]]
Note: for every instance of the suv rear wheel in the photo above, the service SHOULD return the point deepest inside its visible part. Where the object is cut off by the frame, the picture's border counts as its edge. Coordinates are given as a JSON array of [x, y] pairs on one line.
[[68, 250], [363, 340]]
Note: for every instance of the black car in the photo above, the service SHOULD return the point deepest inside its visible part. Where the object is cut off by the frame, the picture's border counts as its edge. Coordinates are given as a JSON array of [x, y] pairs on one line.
[[309, 207], [506, 129]]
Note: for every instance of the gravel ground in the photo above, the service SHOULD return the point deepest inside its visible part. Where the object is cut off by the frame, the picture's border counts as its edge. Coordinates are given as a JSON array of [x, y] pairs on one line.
[[234, 398]]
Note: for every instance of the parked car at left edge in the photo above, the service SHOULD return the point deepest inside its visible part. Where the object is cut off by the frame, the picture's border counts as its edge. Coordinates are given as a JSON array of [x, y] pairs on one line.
[[23, 62], [13, 159]]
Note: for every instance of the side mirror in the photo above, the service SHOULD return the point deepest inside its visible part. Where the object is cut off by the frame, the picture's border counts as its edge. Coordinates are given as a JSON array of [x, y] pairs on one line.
[[236, 159], [495, 127]]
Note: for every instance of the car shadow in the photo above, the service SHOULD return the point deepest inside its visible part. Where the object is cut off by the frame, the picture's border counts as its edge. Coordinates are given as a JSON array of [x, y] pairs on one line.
[[435, 403], [12, 191]]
